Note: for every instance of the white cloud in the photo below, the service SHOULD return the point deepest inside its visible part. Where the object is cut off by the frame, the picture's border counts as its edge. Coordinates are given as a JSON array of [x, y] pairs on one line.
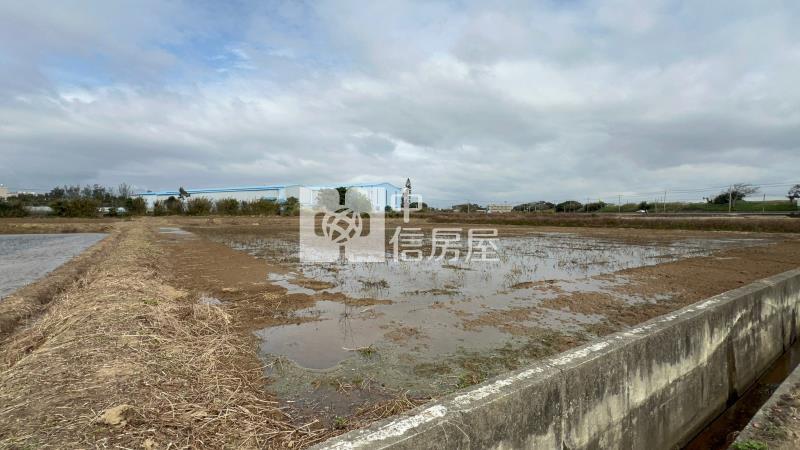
[[511, 102]]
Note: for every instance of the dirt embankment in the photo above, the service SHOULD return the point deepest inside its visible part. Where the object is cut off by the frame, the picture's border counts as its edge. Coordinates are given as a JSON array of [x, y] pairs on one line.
[[780, 224], [122, 358], [31, 225]]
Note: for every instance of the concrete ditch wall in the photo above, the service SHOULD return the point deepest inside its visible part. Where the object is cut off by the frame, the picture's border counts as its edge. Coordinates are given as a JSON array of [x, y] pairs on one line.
[[765, 417], [652, 387]]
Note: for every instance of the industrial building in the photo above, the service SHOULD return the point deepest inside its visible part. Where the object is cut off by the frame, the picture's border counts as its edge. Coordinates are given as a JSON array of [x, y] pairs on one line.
[[380, 195], [3, 192]]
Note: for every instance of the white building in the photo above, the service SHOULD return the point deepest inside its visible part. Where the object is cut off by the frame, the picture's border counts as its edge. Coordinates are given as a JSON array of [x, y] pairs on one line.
[[498, 208], [380, 194], [3, 192]]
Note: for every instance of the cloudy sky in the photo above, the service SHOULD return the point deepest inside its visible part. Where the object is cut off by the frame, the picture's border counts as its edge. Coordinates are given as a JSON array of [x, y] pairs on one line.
[[500, 101]]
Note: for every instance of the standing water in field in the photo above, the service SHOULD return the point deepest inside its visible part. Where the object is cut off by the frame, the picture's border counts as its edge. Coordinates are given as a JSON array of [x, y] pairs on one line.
[[25, 258], [421, 307], [431, 325]]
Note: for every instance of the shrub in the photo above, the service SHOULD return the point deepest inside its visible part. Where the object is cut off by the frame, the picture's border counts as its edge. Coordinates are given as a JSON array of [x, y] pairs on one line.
[[199, 206], [75, 207], [12, 209], [596, 206], [291, 207], [159, 209], [569, 206], [173, 205], [750, 445], [261, 207], [136, 206], [227, 206]]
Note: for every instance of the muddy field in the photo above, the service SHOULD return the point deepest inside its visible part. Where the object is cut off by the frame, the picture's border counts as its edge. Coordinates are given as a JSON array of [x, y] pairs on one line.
[[336, 336], [334, 346]]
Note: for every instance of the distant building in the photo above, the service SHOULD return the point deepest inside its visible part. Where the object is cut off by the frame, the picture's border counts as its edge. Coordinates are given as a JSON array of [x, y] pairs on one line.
[[3, 192], [498, 208], [380, 195], [39, 210]]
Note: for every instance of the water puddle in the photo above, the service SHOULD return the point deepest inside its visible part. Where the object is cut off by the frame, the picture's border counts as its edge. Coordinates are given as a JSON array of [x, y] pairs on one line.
[[25, 258], [423, 326], [430, 301], [174, 231]]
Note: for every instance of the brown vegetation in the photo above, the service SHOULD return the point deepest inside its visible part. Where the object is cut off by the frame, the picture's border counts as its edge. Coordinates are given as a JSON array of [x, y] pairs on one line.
[[752, 224], [121, 358]]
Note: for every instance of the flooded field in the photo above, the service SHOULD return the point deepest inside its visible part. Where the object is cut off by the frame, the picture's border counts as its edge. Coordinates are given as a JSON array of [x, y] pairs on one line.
[[431, 326], [27, 257], [168, 315]]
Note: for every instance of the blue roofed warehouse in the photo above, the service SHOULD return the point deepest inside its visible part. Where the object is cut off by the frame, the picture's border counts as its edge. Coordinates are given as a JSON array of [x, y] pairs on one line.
[[380, 195]]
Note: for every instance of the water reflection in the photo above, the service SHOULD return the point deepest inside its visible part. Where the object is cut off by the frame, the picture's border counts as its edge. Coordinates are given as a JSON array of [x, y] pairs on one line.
[[430, 299]]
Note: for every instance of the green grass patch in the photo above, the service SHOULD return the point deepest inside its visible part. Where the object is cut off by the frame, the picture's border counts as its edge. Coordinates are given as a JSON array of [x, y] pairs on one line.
[[750, 445]]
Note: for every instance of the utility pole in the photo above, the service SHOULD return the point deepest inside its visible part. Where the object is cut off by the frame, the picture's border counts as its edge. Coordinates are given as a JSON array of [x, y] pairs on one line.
[[763, 203], [665, 202], [619, 203]]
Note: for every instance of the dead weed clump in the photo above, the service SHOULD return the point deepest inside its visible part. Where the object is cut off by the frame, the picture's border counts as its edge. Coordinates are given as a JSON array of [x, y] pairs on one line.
[[120, 358]]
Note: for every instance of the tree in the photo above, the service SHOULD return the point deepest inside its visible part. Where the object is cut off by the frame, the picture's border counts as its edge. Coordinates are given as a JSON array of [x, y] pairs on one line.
[[57, 193], [136, 206], [124, 190], [342, 193], [569, 206], [595, 206], [467, 207], [11, 209], [75, 207], [644, 206], [291, 207], [357, 202], [736, 192], [534, 206], [794, 193]]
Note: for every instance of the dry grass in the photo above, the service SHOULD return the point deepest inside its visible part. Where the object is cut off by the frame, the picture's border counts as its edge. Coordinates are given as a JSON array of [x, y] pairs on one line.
[[752, 224], [119, 337], [34, 225], [120, 358]]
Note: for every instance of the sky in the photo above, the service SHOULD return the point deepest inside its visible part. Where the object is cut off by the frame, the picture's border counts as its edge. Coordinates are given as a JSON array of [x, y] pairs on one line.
[[478, 101]]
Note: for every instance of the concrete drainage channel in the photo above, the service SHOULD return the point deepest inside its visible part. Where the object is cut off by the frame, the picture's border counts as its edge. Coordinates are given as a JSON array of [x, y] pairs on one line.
[[655, 386]]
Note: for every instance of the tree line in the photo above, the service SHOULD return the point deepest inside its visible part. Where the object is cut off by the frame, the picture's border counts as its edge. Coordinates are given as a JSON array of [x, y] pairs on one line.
[[95, 200], [735, 193]]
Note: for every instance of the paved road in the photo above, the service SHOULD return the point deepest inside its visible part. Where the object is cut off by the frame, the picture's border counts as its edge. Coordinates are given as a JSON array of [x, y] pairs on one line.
[[26, 257]]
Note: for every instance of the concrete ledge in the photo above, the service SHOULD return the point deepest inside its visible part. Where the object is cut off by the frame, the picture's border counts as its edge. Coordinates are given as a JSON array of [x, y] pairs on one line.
[[654, 386]]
